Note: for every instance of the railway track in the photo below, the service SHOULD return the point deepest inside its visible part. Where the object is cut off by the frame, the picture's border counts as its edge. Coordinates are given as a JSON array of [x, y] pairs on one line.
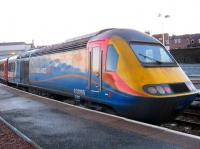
[[189, 120], [191, 112]]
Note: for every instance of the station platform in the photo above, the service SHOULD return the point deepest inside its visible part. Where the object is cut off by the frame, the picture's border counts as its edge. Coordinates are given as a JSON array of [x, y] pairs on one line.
[[56, 125]]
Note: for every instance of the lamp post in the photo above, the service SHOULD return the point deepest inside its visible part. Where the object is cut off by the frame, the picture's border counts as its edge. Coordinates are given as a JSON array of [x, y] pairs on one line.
[[163, 17]]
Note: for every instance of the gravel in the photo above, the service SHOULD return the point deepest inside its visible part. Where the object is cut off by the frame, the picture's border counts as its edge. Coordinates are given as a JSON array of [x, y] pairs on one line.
[[9, 140]]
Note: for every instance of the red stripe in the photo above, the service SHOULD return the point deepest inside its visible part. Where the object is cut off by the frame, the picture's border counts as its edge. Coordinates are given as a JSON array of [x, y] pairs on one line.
[[116, 82]]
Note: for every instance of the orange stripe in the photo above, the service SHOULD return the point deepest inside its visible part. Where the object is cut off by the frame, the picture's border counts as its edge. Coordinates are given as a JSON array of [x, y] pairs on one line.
[[74, 76], [62, 76], [116, 82]]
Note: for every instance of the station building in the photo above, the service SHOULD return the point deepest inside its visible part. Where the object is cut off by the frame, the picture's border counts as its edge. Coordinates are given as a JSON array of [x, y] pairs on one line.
[[8, 49], [185, 41], [179, 41]]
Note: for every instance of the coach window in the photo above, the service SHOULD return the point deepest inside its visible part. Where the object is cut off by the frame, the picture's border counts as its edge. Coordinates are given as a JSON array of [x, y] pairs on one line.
[[9, 67], [112, 59], [13, 67], [96, 60]]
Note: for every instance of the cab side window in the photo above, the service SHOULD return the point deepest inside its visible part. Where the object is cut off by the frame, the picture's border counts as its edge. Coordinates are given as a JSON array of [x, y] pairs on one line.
[[112, 59]]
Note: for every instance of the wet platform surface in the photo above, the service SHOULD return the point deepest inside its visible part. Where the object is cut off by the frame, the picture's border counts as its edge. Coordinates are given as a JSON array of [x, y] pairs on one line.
[[53, 125]]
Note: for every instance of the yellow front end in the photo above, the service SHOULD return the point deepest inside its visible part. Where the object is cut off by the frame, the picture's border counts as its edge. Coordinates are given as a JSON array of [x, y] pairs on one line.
[[136, 76]]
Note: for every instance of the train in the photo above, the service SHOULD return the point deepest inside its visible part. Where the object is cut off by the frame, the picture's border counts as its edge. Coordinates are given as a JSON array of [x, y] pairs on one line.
[[123, 69]]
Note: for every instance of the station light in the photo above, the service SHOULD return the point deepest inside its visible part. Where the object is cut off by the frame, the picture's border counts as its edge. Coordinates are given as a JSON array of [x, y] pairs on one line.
[[12, 53]]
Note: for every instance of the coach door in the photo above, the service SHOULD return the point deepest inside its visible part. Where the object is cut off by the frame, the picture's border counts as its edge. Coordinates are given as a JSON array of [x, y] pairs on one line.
[[24, 73], [95, 82]]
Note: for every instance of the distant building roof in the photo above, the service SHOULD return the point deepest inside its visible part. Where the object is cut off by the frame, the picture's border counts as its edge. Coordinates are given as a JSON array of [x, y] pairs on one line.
[[12, 43], [190, 36]]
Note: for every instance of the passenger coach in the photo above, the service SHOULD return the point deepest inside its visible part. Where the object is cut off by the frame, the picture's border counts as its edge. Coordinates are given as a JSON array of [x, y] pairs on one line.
[[4, 70]]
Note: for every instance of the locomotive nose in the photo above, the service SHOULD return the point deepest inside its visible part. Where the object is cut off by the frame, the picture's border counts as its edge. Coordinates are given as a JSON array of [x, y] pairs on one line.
[[157, 110]]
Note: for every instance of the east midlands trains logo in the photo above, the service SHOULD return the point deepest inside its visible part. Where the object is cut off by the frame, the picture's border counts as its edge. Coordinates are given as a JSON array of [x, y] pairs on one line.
[[47, 70]]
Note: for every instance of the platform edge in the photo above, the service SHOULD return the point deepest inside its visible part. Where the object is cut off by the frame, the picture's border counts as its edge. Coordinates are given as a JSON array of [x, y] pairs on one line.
[[20, 134]]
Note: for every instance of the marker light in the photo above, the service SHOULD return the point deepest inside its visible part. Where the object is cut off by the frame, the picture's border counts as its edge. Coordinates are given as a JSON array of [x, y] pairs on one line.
[[160, 90], [152, 90], [193, 87], [167, 89], [190, 86]]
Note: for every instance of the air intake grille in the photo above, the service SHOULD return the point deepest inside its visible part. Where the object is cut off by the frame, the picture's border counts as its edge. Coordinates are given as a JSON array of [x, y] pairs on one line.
[[179, 88]]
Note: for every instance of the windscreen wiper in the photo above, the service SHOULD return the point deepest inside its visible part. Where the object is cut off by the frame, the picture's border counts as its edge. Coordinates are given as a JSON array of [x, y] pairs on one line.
[[151, 58]]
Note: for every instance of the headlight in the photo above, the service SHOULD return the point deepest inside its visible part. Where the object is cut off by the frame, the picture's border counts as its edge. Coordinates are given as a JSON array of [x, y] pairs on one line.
[[161, 89], [168, 89], [152, 90]]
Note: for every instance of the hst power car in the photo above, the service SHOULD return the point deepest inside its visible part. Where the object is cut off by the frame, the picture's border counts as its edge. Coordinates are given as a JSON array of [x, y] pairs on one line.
[[122, 69]]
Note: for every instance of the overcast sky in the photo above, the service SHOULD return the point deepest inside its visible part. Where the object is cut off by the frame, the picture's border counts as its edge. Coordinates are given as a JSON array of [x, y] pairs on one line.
[[52, 21]]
